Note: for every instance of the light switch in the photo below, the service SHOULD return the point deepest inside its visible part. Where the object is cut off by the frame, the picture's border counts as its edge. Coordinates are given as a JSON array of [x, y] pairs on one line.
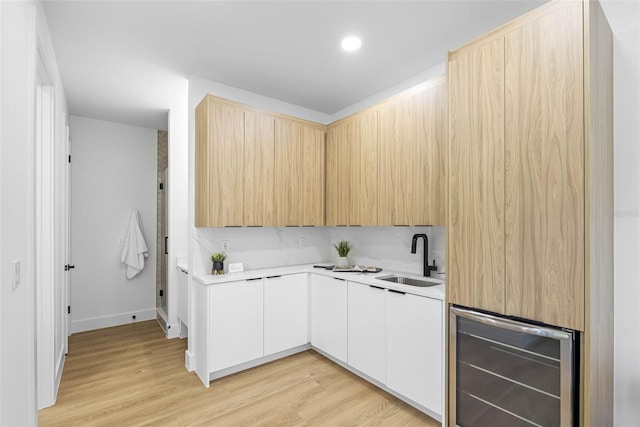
[[16, 275], [226, 245]]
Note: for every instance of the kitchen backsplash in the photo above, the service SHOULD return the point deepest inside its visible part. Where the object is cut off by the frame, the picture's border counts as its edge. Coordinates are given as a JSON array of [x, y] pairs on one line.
[[385, 247], [390, 247]]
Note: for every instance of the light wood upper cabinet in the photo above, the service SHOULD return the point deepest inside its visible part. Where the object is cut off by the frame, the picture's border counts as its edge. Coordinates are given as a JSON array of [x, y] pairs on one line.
[[256, 168], [299, 178], [313, 161], [363, 165], [476, 178], [259, 158], [288, 177], [412, 158], [338, 192], [544, 174], [431, 158], [396, 145], [219, 173]]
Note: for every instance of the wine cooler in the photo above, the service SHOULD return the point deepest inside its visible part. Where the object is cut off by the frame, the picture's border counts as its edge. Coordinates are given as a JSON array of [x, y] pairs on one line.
[[510, 373]]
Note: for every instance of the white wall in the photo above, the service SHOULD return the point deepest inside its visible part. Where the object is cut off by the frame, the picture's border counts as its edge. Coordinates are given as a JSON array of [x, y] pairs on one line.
[[113, 171], [23, 32], [17, 357], [626, 210]]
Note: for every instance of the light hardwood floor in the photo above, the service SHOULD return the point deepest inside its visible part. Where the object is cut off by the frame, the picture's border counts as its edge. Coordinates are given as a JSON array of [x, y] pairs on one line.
[[132, 375]]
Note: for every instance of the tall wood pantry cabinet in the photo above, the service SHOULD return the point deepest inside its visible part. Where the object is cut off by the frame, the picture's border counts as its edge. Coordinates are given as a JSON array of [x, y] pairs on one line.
[[530, 181]]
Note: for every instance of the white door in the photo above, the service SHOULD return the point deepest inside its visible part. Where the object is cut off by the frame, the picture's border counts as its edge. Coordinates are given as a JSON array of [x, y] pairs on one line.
[[367, 330], [285, 312], [329, 315], [235, 323], [414, 349]]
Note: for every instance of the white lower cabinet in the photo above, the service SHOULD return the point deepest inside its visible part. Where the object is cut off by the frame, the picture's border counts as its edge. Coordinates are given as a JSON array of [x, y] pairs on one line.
[[367, 330], [285, 312], [414, 348], [329, 316], [235, 323]]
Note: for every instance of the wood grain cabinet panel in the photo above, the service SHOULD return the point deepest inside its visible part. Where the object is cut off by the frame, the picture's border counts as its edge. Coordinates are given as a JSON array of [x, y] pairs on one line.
[[219, 165], [544, 170], [430, 156], [364, 171], [300, 174], [396, 144], [313, 171], [288, 176], [259, 158], [201, 172], [338, 192], [476, 178]]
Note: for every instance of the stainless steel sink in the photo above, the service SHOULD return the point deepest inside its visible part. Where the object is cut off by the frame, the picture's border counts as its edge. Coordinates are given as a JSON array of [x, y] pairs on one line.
[[425, 283]]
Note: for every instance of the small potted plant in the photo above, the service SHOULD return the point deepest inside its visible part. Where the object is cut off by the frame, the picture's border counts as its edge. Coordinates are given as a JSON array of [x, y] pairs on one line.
[[343, 247], [218, 262]]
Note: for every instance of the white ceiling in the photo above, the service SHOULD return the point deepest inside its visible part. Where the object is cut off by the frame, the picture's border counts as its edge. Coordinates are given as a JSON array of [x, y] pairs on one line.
[[126, 61]]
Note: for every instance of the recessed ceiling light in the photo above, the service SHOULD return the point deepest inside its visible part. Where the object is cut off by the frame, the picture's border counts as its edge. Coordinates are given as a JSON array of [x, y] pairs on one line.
[[351, 43]]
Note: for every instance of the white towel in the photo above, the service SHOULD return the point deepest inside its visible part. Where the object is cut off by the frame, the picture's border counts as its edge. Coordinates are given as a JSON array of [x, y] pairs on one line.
[[135, 248]]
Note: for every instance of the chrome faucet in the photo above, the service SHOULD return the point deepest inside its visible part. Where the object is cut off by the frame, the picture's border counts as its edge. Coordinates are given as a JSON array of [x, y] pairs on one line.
[[427, 269]]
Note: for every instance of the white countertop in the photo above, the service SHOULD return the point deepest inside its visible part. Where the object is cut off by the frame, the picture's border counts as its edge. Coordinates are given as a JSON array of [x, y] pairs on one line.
[[436, 292]]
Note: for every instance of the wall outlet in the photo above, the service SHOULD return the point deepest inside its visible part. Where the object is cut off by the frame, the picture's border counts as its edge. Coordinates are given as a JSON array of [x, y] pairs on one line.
[[301, 242], [121, 241], [226, 245], [16, 275]]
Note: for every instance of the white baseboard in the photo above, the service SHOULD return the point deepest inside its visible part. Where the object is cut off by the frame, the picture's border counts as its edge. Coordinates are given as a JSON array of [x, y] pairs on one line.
[[59, 369], [173, 331], [189, 361], [90, 324]]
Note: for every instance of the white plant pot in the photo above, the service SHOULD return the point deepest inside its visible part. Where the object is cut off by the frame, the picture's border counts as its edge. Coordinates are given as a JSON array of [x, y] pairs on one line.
[[343, 261]]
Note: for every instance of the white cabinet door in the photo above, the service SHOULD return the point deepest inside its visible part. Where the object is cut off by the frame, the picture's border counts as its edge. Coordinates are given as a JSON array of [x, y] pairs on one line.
[[329, 315], [285, 312], [414, 348], [367, 330], [235, 323]]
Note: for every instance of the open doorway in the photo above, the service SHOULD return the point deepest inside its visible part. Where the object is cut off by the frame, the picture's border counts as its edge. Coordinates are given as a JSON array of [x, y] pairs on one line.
[[162, 233]]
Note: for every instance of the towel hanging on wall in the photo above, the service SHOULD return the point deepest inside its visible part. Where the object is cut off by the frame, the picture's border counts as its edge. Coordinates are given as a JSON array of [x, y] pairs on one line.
[[135, 248]]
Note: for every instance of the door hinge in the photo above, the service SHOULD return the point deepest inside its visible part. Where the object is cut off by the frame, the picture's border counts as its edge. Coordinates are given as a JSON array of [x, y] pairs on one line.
[[68, 309], [69, 267], [69, 158], [161, 292], [161, 186]]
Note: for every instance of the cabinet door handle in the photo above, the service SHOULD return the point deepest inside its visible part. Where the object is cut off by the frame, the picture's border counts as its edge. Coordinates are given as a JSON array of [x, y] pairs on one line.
[[185, 272], [376, 287], [397, 292], [273, 277], [337, 278], [254, 278]]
